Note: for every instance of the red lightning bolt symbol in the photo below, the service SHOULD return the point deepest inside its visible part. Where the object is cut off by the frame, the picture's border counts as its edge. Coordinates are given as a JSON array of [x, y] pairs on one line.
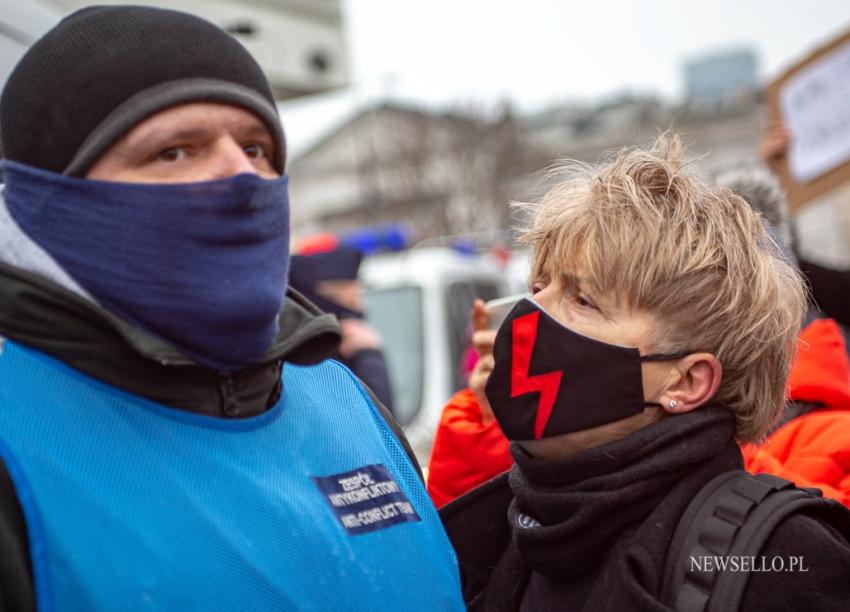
[[524, 338]]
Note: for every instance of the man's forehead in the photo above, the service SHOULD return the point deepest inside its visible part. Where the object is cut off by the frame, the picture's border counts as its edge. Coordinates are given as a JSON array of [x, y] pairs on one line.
[[197, 119]]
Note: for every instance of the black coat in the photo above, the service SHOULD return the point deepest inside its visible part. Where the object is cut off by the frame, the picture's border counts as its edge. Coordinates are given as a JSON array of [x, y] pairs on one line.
[[591, 532], [830, 290]]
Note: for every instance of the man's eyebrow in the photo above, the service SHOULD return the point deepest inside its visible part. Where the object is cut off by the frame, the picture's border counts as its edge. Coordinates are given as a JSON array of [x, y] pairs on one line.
[[257, 130], [160, 136]]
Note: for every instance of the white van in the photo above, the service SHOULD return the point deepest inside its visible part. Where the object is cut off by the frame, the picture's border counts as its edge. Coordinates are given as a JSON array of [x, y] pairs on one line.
[[420, 301]]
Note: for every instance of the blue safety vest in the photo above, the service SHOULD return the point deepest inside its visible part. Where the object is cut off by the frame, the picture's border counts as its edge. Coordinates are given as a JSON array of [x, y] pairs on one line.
[[131, 505]]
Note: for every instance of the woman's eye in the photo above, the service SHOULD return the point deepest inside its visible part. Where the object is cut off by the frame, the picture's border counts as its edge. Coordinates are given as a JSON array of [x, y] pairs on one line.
[[582, 301], [536, 287], [171, 154], [255, 151]]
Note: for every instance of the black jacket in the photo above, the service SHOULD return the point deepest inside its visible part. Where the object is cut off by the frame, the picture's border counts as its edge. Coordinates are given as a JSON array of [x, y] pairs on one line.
[[42, 315], [830, 289], [591, 532], [370, 366]]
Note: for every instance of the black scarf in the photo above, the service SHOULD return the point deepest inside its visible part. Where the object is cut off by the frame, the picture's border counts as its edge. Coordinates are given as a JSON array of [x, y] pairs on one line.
[[569, 512]]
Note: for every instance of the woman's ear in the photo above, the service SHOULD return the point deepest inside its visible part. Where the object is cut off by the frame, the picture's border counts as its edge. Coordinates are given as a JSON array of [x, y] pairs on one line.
[[698, 381]]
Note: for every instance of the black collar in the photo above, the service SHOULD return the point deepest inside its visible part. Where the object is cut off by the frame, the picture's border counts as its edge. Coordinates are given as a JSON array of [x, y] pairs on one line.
[[567, 513], [43, 315]]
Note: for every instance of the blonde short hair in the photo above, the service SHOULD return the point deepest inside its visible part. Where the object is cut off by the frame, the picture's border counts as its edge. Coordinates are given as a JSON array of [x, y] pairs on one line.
[[696, 256]]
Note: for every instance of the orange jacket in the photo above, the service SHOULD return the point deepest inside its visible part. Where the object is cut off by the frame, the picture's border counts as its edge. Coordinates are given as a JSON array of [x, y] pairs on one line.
[[813, 450], [466, 452]]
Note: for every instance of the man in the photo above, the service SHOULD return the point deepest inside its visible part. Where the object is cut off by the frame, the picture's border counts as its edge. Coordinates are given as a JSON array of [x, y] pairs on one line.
[[328, 278], [171, 434]]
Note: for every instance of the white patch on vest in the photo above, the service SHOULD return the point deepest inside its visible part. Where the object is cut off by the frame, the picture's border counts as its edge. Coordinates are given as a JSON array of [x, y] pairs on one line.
[[366, 499]]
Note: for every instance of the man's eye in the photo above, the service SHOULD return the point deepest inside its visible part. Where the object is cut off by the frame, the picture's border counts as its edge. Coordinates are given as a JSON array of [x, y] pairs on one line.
[[255, 151], [171, 154]]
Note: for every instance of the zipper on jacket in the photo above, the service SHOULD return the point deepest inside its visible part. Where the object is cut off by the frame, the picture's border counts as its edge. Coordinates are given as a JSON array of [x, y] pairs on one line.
[[229, 391]]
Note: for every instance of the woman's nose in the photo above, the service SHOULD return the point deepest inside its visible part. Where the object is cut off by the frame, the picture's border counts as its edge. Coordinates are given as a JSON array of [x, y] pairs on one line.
[[544, 295]]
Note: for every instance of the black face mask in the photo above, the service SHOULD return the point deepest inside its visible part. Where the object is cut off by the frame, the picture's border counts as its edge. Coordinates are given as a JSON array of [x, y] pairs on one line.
[[549, 380]]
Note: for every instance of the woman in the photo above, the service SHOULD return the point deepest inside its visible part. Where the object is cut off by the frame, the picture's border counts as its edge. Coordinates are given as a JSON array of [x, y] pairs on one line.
[[661, 330]]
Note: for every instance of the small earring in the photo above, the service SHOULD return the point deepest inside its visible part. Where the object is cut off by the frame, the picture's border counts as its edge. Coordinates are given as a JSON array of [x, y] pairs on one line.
[[673, 403]]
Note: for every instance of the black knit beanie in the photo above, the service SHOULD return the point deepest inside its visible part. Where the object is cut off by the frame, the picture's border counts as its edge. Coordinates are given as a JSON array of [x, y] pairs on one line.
[[104, 69]]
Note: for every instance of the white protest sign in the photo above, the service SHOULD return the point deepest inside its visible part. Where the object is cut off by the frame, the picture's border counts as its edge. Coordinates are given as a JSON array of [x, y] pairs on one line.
[[815, 105]]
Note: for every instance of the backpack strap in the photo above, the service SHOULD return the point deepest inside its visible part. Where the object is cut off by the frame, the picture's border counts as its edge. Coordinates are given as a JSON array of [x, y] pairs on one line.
[[732, 516]]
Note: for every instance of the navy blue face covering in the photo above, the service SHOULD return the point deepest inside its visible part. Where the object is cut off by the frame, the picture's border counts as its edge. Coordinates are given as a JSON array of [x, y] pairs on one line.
[[201, 265]]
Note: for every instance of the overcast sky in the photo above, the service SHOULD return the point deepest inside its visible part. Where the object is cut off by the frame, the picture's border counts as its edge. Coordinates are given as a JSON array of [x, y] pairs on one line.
[[536, 53]]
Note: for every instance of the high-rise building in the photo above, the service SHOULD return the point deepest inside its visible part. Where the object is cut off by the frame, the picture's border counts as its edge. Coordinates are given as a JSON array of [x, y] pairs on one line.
[[721, 76]]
